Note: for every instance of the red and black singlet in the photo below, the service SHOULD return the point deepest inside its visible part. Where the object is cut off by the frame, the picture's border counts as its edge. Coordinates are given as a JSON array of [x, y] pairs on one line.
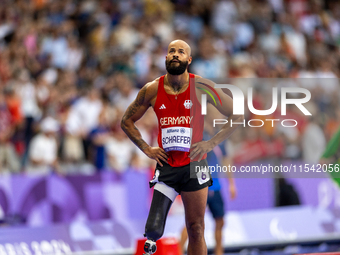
[[180, 122]]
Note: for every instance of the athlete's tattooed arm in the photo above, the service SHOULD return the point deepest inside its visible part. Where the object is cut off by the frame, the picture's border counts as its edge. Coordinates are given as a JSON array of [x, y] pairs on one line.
[[133, 113]]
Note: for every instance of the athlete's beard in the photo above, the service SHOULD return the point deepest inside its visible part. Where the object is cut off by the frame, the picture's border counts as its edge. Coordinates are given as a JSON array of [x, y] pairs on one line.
[[176, 69]]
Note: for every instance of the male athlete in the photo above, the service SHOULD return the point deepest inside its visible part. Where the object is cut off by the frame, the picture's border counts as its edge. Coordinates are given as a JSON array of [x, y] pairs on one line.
[[180, 145]]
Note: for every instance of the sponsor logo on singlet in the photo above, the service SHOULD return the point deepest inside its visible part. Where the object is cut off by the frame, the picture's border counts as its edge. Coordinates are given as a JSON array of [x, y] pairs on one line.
[[176, 139]]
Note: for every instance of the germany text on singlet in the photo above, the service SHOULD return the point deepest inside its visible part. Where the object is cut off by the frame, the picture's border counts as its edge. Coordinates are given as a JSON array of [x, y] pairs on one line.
[[180, 123]]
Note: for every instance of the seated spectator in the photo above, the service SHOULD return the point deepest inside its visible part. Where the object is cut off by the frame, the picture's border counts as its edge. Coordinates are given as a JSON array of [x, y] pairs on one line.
[[72, 146], [43, 149]]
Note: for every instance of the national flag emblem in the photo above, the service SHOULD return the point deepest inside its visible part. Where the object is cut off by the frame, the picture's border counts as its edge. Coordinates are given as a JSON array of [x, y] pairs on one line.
[[187, 104]]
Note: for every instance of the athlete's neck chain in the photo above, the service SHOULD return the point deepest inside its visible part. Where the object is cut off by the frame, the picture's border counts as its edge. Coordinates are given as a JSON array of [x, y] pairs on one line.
[[176, 91]]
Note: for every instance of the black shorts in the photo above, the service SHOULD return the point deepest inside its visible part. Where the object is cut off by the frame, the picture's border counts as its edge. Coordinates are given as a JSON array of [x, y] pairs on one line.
[[215, 204], [184, 178]]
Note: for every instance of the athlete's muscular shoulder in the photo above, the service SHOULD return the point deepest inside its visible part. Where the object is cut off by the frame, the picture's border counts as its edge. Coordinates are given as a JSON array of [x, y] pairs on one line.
[[142, 102], [151, 89]]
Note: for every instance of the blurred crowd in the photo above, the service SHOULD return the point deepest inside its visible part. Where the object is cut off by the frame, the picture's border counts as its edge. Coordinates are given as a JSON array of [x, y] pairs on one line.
[[70, 68]]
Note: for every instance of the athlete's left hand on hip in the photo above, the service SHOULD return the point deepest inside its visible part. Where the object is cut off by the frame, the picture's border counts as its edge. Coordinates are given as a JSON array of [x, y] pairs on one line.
[[199, 149]]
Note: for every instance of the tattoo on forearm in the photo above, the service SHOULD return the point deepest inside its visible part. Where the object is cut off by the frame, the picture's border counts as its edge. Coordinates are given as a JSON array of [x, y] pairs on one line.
[[134, 133], [140, 143], [135, 137]]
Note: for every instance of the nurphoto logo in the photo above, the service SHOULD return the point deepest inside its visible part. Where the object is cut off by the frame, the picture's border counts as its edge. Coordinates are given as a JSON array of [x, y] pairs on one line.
[[239, 99]]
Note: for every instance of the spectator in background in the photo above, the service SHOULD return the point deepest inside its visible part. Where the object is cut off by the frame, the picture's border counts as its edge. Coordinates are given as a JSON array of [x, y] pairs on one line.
[[75, 55], [313, 142], [83, 117], [72, 149], [13, 105], [56, 46], [295, 38], [142, 62], [50, 52], [223, 16], [43, 149], [29, 106], [43, 91], [125, 34], [9, 161], [102, 133], [126, 93], [209, 64], [325, 74], [121, 153]]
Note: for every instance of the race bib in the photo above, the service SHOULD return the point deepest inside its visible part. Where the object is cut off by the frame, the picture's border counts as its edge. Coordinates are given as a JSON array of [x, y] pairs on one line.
[[203, 176], [176, 139]]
